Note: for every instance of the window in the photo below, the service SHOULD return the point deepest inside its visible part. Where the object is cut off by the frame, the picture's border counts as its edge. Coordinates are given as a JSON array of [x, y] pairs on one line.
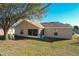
[[55, 33], [21, 32], [33, 32]]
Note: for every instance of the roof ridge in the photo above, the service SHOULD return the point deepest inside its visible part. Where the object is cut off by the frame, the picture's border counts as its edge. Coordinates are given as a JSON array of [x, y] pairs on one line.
[[36, 24], [55, 24]]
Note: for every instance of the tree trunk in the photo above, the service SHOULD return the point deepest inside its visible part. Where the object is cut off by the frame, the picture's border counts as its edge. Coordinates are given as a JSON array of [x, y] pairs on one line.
[[6, 35]]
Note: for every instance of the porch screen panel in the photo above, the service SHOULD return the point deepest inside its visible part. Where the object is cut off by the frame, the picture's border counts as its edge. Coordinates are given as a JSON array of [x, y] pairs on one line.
[[33, 32]]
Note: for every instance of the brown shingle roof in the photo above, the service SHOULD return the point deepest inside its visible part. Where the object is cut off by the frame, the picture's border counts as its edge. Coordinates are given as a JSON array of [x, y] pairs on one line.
[[55, 24]]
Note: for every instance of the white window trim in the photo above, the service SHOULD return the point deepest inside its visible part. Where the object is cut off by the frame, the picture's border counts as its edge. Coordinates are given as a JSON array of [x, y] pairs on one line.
[[33, 36]]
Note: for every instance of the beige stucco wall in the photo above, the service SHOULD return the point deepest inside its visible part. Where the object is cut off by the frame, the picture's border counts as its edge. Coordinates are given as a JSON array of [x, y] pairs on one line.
[[62, 32], [49, 32], [24, 26]]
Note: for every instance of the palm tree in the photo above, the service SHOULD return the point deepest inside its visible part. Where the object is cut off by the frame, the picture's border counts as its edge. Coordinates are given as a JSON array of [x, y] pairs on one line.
[[12, 12]]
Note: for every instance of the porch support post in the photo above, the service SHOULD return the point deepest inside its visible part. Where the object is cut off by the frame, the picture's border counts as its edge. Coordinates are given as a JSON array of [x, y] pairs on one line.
[[39, 32]]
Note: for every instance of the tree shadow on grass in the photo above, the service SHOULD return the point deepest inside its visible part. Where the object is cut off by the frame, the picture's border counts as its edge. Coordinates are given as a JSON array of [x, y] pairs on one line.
[[2, 38], [76, 43], [44, 39]]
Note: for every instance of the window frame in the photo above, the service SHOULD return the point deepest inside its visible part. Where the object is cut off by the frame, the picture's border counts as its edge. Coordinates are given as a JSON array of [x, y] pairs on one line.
[[55, 33], [21, 31], [33, 32]]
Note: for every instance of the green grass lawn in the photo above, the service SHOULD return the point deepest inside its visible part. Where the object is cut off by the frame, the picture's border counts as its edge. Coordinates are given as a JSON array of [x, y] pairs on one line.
[[39, 48]]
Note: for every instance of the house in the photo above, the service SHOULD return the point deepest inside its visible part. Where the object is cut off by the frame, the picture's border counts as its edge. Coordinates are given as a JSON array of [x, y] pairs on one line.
[[28, 28], [57, 30]]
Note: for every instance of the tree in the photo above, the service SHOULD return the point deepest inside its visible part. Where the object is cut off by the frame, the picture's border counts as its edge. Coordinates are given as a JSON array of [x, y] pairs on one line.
[[11, 13], [75, 29]]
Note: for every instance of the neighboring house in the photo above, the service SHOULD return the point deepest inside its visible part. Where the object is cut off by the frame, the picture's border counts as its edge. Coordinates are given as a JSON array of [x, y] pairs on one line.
[[1, 32], [28, 28], [11, 31]]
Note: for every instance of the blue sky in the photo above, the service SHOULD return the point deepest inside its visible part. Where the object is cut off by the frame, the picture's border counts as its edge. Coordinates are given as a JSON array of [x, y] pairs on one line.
[[63, 12]]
